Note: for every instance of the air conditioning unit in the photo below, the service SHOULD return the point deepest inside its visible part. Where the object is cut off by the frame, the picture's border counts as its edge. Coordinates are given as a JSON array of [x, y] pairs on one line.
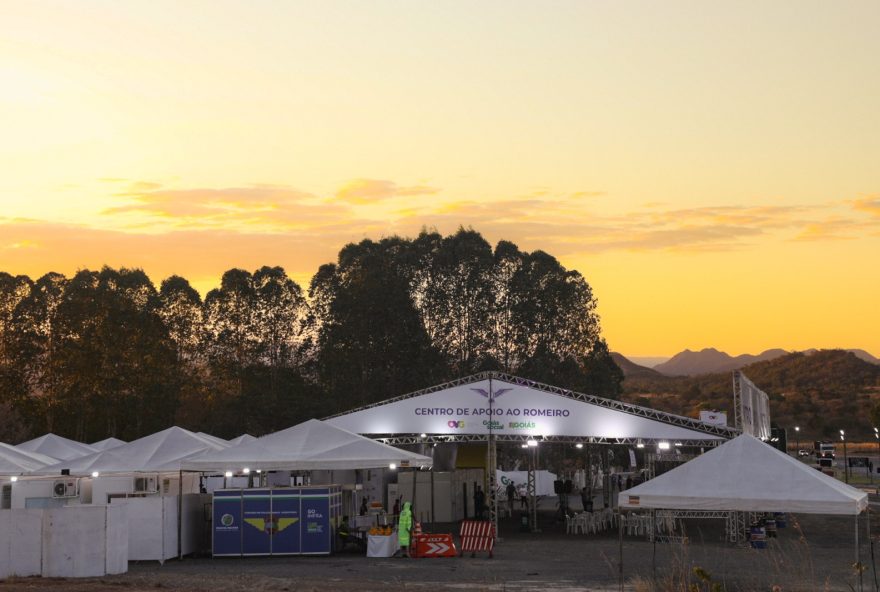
[[146, 485], [65, 488]]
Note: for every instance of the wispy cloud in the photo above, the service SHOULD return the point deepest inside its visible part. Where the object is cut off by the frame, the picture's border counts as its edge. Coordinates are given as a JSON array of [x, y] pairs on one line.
[[260, 207], [868, 205], [366, 191]]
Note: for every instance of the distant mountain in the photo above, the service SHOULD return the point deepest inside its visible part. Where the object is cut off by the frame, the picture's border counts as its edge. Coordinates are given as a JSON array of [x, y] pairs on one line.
[[859, 353], [631, 369], [710, 360], [821, 391]]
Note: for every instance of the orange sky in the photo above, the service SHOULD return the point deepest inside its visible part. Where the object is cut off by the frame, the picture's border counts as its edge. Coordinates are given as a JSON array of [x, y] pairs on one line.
[[711, 168]]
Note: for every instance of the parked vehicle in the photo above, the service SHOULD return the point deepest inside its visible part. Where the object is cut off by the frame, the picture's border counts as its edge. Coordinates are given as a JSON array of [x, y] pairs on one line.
[[823, 449]]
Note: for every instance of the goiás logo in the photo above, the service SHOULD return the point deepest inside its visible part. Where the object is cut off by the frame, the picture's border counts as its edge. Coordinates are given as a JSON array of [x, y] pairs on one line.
[[522, 425], [455, 423]]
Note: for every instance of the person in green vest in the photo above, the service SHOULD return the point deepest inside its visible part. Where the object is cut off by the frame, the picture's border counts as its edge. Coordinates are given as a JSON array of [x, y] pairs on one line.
[[404, 525]]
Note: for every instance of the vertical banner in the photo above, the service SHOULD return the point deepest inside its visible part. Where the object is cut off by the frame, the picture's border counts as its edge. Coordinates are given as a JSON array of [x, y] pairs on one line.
[[227, 523], [632, 458], [285, 508], [315, 531], [259, 523]]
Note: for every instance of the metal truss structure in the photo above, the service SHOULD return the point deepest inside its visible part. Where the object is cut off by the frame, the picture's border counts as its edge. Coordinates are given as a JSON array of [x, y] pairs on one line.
[[411, 439], [737, 402], [723, 432], [733, 529]]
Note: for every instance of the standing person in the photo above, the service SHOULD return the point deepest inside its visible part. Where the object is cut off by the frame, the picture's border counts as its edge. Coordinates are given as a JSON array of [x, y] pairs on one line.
[[396, 510], [479, 503], [523, 498], [511, 493], [404, 526], [364, 506], [586, 501]]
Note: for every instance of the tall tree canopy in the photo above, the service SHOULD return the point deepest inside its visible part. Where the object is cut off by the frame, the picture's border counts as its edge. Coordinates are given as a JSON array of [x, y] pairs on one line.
[[106, 353]]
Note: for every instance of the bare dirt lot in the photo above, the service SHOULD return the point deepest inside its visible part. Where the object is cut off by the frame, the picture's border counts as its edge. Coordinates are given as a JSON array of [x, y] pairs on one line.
[[813, 553]]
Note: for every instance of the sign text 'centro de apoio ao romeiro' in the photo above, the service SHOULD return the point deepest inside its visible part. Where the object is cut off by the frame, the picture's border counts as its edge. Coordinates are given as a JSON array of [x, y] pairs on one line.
[[503, 408]]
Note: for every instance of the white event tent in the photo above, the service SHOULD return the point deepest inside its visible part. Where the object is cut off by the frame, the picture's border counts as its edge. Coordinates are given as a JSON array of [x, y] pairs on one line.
[[107, 443], [746, 475], [16, 462], [241, 439], [159, 452], [57, 447], [312, 445]]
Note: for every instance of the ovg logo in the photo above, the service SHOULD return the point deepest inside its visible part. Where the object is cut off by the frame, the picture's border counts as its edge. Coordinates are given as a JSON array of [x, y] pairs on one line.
[[455, 423], [227, 520]]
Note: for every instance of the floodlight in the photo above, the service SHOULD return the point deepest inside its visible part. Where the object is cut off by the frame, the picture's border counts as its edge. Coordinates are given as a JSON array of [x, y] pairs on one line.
[[678, 443], [842, 433], [423, 436], [578, 445], [640, 445], [797, 429], [392, 466], [663, 445], [95, 474], [246, 471], [531, 443], [524, 446], [13, 478], [259, 471], [227, 474]]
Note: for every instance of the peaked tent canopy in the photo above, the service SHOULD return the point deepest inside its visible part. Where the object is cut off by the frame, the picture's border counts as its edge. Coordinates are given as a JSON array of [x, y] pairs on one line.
[[162, 451], [57, 447], [214, 439], [107, 443], [313, 444], [15, 462], [242, 439], [746, 475], [513, 408]]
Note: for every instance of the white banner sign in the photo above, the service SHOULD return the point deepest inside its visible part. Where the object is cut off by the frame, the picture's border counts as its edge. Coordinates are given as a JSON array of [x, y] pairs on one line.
[[500, 407]]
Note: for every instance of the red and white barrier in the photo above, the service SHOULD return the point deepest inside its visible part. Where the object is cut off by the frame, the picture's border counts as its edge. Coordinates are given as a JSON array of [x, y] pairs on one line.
[[477, 535]]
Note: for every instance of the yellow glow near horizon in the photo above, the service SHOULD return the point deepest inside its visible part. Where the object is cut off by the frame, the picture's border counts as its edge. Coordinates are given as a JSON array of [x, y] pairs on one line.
[[711, 168]]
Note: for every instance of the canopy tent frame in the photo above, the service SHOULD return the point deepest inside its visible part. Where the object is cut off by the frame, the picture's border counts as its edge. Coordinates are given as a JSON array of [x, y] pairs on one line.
[[718, 431], [686, 434], [759, 481]]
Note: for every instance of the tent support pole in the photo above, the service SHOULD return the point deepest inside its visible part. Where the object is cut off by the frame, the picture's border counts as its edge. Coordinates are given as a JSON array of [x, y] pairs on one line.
[[620, 549], [180, 515], [432, 498], [871, 546], [858, 555], [654, 545]]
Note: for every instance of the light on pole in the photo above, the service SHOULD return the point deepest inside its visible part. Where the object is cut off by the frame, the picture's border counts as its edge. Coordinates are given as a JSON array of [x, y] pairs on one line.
[[877, 437], [797, 439], [845, 461]]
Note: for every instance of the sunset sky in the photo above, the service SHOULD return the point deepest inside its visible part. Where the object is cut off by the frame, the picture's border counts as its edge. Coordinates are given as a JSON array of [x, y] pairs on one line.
[[712, 168]]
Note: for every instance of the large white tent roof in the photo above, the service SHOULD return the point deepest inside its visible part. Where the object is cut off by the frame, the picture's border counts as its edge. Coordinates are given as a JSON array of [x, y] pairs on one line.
[[513, 408], [162, 451], [242, 439], [57, 447], [746, 475], [107, 443], [313, 444], [15, 462]]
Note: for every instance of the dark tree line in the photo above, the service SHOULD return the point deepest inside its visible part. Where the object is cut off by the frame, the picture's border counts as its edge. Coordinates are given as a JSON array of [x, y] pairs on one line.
[[105, 353]]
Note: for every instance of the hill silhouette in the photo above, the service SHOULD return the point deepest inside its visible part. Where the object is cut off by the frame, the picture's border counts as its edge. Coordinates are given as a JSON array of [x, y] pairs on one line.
[[822, 392], [710, 360], [631, 369]]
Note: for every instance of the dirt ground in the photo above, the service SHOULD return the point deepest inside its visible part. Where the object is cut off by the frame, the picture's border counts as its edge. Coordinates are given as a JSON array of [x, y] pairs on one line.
[[813, 553]]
